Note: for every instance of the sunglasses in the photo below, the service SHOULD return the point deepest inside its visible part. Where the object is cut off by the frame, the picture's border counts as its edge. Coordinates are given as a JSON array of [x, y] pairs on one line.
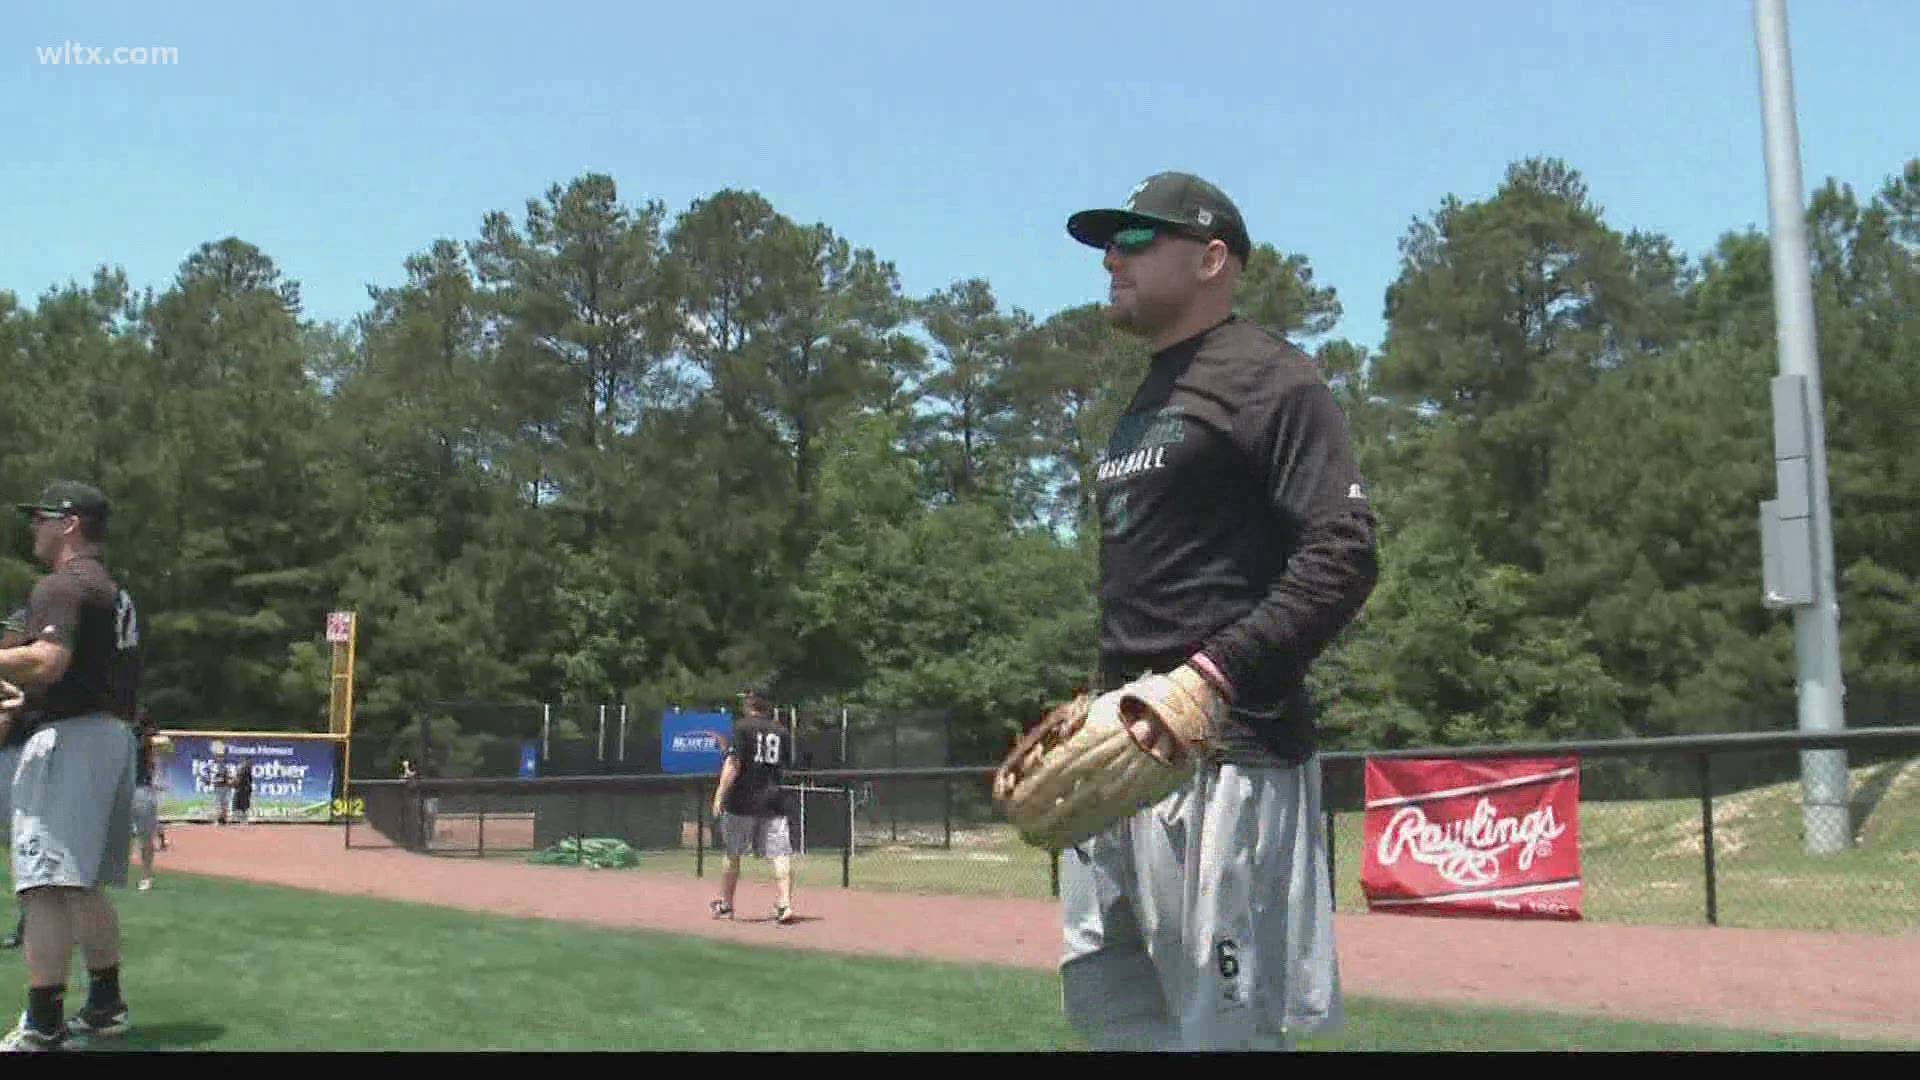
[[1140, 237]]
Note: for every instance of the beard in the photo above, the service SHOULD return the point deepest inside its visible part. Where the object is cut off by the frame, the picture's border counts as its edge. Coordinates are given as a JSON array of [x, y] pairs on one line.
[[1135, 314]]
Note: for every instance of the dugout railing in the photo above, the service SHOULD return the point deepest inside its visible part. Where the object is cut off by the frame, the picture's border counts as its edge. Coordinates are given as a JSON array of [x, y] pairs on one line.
[[1673, 830]]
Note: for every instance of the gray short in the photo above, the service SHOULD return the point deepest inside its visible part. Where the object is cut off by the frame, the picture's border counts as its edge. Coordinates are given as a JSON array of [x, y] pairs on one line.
[[765, 836], [73, 804], [9, 764], [1206, 921], [146, 810]]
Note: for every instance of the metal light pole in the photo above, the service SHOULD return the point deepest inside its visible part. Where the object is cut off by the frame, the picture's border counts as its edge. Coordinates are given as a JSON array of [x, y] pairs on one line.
[[1797, 528]]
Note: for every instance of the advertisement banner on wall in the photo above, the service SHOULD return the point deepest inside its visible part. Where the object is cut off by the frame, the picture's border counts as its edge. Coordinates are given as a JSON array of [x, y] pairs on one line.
[[694, 742], [1495, 838], [293, 778]]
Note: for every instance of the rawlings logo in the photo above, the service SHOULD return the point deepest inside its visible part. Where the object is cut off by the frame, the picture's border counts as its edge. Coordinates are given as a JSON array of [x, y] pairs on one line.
[[1467, 852]]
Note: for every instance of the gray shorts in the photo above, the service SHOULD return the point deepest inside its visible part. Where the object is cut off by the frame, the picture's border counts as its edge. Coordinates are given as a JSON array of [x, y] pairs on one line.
[[146, 810], [9, 764], [73, 804], [1206, 921], [765, 836]]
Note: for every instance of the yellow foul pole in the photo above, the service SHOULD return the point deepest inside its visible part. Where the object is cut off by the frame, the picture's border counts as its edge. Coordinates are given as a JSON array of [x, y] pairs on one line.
[[342, 631]]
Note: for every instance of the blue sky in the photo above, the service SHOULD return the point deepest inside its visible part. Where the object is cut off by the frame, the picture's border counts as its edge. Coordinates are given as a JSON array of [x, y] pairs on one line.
[[953, 140]]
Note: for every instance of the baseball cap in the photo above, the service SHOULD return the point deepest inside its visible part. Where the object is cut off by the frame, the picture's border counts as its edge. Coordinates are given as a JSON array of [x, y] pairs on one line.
[[69, 497], [1177, 200]]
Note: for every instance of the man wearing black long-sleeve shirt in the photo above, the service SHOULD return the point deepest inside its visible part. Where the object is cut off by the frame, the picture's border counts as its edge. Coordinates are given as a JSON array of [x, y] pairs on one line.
[[1236, 543]]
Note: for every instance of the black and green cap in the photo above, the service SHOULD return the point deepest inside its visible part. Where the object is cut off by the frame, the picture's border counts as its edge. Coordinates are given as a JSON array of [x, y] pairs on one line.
[[1178, 201], [69, 497]]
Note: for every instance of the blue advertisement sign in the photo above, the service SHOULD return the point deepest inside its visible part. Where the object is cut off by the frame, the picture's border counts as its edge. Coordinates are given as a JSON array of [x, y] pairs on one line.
[[293, 778], [694, 742], [529, 758]]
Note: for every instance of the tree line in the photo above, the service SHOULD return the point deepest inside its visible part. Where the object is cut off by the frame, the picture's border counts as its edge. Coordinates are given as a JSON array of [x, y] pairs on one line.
[[604, 452]]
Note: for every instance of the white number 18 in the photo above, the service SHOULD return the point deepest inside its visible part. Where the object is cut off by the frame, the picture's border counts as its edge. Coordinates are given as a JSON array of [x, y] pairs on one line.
[[766, 748]]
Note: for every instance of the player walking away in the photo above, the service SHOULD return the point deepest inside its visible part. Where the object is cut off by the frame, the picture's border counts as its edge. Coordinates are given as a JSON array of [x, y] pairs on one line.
[[1236, 542], [751, 807], [13, 631], [73, 791]]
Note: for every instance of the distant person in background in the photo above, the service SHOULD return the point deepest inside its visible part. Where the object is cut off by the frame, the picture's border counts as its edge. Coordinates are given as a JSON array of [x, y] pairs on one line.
[[162, 748], [222, 780], [146, 797], [429, 807], [243, 790], [752, 808]]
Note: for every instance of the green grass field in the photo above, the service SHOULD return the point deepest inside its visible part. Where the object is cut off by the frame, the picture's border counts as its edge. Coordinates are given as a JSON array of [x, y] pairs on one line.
[[217, 965], [1641, 861]]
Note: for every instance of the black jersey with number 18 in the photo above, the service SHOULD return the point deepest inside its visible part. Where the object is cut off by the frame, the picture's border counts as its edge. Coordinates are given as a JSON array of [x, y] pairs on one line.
[[760, 749]]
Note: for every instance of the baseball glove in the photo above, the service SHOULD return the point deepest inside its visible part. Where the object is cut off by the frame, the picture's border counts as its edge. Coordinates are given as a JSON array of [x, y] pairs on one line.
[[1082, 769]]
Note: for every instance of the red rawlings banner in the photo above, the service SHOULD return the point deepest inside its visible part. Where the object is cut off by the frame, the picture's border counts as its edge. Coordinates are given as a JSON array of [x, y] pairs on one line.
[[1482, 837]]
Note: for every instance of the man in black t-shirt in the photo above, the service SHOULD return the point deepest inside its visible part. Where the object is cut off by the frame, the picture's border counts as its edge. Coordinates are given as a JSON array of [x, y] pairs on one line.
[[72, 809], [751, 807], [1236, 542]]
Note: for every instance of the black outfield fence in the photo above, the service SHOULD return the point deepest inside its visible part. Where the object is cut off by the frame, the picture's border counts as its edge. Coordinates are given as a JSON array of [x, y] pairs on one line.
[[1705, 829]]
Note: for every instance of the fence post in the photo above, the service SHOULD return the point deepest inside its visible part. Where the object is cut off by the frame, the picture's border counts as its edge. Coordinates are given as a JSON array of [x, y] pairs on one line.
[[1053, 872], [846, 849], [1706, 835], [580, 829], [417, 819], [483, 830], [946, 813], [699, 833], [1333, 877]]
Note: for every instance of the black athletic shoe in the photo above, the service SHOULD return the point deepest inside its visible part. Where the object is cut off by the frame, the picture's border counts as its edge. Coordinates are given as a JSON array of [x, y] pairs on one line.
[[99, 1023]]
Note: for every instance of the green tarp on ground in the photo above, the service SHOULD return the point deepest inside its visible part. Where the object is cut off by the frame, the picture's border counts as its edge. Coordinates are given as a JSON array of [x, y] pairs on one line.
[[598, 852]]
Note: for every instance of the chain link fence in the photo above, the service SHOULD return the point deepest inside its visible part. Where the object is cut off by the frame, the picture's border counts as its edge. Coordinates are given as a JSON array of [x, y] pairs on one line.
[[476, 740], [1714, 830], [1675, 832], [489, 739]]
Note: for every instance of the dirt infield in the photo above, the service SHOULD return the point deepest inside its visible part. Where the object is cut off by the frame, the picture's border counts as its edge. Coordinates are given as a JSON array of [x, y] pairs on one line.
[[1849, 984]]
